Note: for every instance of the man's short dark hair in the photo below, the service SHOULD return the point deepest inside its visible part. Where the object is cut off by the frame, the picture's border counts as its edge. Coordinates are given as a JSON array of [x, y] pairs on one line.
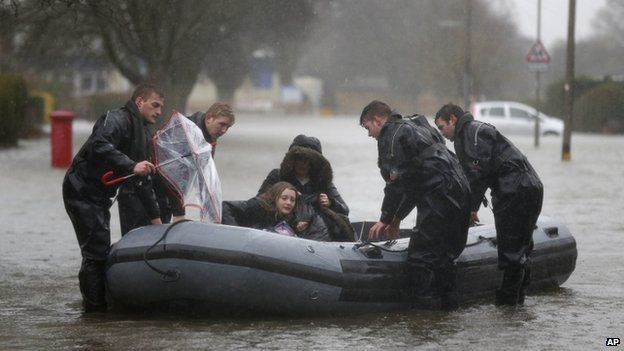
[[447, 110], [144, 90], [373, 109]]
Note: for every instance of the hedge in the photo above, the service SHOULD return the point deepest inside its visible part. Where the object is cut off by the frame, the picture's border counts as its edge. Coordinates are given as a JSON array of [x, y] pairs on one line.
[[13, 99]]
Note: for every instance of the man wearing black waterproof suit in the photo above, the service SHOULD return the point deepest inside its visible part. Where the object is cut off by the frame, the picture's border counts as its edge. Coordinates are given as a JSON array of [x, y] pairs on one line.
[[491, 161], [421, 172], [119, 142]]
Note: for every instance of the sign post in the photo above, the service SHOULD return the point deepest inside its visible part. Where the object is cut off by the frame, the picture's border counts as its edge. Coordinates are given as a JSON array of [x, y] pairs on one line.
[[538, 60]]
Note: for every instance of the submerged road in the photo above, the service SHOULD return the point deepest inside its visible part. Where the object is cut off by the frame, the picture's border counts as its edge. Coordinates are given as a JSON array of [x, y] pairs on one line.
[[39, 257]]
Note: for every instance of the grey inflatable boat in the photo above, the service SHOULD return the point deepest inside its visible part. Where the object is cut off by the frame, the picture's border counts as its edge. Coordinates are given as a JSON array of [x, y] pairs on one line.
[[218, 268]]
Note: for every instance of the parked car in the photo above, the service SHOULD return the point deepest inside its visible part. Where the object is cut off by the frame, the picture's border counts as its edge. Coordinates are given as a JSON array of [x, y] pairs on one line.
[[515, 118]]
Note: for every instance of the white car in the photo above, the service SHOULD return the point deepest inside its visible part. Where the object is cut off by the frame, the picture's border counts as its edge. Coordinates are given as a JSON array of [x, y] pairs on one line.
[[515, 118]]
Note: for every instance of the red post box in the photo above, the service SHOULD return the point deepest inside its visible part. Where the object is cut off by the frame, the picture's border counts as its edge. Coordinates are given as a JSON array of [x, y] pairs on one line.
[[61, 138]]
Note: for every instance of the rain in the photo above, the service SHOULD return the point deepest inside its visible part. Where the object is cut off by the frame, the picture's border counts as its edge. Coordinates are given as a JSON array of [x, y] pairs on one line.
[[292, 67]]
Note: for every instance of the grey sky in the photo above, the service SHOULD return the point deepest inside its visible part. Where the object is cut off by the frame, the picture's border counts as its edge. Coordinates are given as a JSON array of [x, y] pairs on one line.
[[554, 18]]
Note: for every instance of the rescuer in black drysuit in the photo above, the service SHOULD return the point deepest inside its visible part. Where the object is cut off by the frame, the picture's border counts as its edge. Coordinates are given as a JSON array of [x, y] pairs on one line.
[[421, 172], [491, 161], [119, 142]]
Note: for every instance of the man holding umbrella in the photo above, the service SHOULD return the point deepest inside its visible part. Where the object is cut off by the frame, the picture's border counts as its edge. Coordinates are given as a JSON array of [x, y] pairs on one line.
[[120, 143]]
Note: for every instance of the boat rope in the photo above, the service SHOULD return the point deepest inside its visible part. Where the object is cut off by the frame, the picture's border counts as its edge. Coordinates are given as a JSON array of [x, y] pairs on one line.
[[482, 239], [361, 243], [170, 275], [389, 243], [384, 247]]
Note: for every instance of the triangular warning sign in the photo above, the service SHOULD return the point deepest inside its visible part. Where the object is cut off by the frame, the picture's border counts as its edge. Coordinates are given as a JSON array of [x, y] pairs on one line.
[[538, 54]]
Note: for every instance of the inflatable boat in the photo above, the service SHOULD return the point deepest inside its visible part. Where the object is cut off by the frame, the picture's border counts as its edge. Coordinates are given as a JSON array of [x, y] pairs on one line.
[[216, 268]]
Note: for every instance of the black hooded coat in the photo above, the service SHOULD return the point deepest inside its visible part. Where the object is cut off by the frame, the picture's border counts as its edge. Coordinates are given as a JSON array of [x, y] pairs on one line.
[[421, 172], [119, 141], [491, 161], [326, 224]]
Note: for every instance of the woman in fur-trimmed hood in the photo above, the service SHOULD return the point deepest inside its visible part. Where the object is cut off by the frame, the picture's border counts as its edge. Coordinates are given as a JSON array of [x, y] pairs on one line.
[[310, 172]]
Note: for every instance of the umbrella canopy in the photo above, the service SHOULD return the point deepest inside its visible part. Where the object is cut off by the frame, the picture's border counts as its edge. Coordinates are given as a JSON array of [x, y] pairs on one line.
[[184, 159]]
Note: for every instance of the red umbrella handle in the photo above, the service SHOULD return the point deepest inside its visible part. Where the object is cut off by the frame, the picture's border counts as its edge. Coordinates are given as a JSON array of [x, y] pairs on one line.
[[107, 181]]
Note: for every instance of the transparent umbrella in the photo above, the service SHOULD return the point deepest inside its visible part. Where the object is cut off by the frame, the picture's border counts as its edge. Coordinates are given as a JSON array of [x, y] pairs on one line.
[[184, 159]]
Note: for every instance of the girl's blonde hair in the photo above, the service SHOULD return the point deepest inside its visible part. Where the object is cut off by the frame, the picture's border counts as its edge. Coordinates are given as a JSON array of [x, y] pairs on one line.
[[276, 190]]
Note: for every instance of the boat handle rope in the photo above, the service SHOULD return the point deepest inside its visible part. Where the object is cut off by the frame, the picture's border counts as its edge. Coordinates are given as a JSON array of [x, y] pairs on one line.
[[482, 238], [170, 275], [361, 243], [382, 247]]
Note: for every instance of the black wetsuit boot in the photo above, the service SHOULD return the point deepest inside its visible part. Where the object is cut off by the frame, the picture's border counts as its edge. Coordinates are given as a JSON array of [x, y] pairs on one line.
[[93, 285], [420, 277], [445, 279], [433, 280], [525, 284], [509, 291]]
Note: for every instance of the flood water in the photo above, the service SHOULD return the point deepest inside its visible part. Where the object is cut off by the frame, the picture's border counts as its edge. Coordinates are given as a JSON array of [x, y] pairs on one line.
[[40, 303]]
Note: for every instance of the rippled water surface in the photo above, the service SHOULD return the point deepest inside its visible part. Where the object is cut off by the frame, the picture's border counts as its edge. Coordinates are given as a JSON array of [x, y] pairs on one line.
[[39, 256]]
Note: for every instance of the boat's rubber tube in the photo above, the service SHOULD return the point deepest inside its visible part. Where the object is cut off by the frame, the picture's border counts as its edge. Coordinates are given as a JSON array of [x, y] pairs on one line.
[[219, 267]]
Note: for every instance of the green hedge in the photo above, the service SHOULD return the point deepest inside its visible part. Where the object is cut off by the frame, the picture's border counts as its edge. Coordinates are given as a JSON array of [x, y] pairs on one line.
[[601, 110], [13, 99], [598, 105], [555, 94]]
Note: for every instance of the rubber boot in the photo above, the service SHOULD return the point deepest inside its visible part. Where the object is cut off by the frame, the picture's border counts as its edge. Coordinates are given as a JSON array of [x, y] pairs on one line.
[[421, 281], [446, 285], [525, 284], [509, 292], [93, 286]]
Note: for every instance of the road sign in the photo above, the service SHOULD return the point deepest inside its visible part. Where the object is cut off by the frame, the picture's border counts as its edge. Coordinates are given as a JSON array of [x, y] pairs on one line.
[[538, 66], [538, 54]]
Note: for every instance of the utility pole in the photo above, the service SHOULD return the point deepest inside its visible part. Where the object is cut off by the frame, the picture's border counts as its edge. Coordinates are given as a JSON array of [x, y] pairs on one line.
[[537, 78], [467, 38], [569, 85]]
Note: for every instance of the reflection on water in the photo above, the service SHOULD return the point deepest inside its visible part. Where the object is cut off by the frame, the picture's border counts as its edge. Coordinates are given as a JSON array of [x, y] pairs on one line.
[[39, 258]]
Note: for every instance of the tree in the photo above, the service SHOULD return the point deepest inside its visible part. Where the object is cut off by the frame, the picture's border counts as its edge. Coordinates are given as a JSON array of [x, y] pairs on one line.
[[279, 25], [7, 32], [166, 42], [608, 21], [228, 66], [283, 25], [406, 48]]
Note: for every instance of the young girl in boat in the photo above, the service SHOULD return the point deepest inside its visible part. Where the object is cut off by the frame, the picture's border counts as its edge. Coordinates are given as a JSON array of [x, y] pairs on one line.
[[272, 210], [321, 212]]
